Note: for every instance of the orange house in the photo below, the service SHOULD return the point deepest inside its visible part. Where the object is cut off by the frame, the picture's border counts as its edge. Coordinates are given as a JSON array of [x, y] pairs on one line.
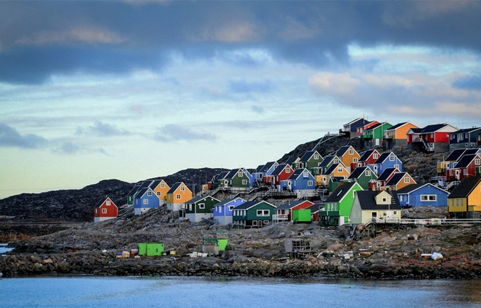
[[398, 181], [348, 156], [398, 135], [177, 195], [161, 189], [105, 210]]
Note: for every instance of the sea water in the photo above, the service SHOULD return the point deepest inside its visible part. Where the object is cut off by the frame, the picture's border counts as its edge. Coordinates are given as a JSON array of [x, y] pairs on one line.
[[235, 292], [4, 249]]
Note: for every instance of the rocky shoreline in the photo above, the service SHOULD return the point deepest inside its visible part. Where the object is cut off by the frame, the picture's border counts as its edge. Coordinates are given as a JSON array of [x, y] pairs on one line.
[[394, 253]]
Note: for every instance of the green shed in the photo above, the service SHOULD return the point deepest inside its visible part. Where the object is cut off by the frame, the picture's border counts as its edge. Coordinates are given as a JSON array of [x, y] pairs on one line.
[[301, 215], [155, 249], [142, 249]]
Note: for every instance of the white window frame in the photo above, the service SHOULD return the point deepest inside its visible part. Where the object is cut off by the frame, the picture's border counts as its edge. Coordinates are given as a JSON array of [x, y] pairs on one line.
[[391, 158], [406, 180], [201, 206], [244, 182], [310, 183], [262, 213], [149, 193], [178, 196], [428, 198], [145, 201], [104, 211]]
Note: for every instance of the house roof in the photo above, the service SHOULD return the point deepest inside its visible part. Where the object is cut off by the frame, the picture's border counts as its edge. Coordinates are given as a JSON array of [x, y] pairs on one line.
[[219, 176], [367, 154], [373, 127], [342, 150], [316, 207], [465, 160], [291, 160], [98, 204], [290, 204], [297, 173], [174, 187], [154, 183], [199, 198], [332, 168], [455, 155], [355, 120], [367, 200], [141, 192], [231, 174], [465, 187], [133, 190], [383, 157], [396, 178], [247, 205], [259, 168], [413, 187], [432, 128], [327, 160], [356, 173], [268, 166], [340, 191], [386, 173], [229, 200], [279, 169], [397, 126], [307, 156], [466, 130], [415, 131]]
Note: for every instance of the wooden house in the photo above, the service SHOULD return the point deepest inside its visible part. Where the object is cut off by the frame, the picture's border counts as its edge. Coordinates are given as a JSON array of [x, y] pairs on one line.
[[396, 136], [177, 195], [385, 161], [266, 172], [377, 206], [399, 180], [368, 157], [198, 208], [315, 209], [338, 205], [465, 200], [363, 176], [160, 188], [223, 210], [431, 138], [421, 195], [281, 173], [464, 138], [383, 178], [253, 214], [105, 209], [238, 180], [374, 135], [302, 182], [131, 195], [450, 162], [467, 166], [145, 200], [310, 160], [348, 156], [349, 129], [361, 129], [284, 212]]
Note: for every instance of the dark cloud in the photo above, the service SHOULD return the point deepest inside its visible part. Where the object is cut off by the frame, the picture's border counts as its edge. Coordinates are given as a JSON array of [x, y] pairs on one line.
[[174, 133], [10, 137], [40, 39], [468, 83], [103, 130]]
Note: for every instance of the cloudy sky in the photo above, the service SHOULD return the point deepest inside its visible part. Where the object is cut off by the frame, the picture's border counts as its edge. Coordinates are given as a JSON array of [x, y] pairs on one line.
[[93, 90]]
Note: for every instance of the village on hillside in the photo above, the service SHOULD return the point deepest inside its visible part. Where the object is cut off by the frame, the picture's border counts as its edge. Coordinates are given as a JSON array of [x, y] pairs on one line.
[[342, 188]]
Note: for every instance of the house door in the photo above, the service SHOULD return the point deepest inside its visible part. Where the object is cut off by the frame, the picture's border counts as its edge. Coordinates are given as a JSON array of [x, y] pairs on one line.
[[374, 216]]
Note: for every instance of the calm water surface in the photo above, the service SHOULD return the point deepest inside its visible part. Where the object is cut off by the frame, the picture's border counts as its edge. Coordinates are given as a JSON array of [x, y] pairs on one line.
[[235, 292]]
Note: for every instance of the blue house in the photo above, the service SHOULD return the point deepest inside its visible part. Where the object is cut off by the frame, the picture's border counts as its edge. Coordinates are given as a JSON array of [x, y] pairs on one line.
[[224, 209], [385, 161], [422, 194], [302, 182], [145, 199], [350, 129]]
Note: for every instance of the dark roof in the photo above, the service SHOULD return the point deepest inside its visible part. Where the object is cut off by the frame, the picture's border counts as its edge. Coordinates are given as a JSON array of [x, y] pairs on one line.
[[141, 192], [291, 160], [226, 201], [174, 187], [367, 200], [306, 156], [133, 190], [279, 169], [231, 174], [416, 130], [465, 161], [332, 168], [366, 155], [199, 198], [432, 128], [409, 188], [465, 187], [247, 205], [396, 178], [382, 158], [386, 173], [397, 126], [296, 174], [268, 166], [455, 155], [357, 172], [466, 130], [342, 150], [340, 191], [154, 183], [98, 204], [316, 207], [219, 176], [259, 168], [327, 160]]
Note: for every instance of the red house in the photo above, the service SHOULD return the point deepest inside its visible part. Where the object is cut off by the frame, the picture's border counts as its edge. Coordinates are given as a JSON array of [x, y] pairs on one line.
[[367, 158], [281, 173], [285, 210], [466, 167], [432, 138], [105, 210]]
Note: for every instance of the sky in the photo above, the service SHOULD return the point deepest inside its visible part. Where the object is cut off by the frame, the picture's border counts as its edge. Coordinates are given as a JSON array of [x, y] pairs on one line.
[[130, 90]]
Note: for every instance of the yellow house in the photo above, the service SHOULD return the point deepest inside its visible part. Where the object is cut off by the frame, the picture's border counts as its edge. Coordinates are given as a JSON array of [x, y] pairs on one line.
[[465, 200], [348, 156], [160, 189], [336, 170], [177, 195]]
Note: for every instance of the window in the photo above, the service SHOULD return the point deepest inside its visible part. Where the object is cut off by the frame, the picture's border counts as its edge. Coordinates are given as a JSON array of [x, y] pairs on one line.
[[384, 200], [201, 206], [108, 203], [104, 211], [395, 212], [162, 185], [244, 182], [316, 156], [477, 161], [306, 174], [339, 169], [428, 198], [149, 193], [391, 157], [241, 174], [231, 207], [263, 212], [146, 201], [406, 180], [182, 188], [288, 170], [368, 172], [351, 152], [159, 193], [177, 197], [375, 156], [219, 209], [354, 160], [310, 183]]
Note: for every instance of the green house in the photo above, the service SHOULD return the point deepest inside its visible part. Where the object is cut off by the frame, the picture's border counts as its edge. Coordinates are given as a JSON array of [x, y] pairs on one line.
[[310, 160], [253, 214], [238, 179], [374, 135], [302, 215], [201, 207], [363, 175], [338, 205]]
